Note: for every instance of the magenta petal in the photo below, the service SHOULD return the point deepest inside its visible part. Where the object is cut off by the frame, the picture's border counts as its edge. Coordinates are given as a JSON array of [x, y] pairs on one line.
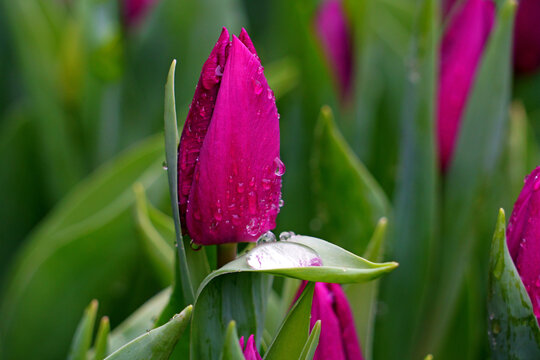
[[527, 36], [523, 237], [198, 119], [335, 36], [461, 51], [330, 342], [346, 323], [250, 351], [246, 40], [236, 189]]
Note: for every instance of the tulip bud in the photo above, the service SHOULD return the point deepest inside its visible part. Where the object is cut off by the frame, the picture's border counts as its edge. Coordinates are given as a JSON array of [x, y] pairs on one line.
[[134, 10], [250, 350], [527, 36], [523, 237], [335, 36], [229, 169], [461, 50], [338, 339]]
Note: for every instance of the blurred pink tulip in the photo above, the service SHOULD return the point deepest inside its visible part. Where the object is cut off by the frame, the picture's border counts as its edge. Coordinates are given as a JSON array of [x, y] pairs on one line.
[[135, 10], [523, 237], [461, 51], [229, 173], [335, 36], [527, 36]]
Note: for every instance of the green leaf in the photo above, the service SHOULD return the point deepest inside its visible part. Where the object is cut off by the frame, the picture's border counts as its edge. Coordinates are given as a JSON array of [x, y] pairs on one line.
[[311, 344], [86, 245], [83, 335], [231, 346], [293, 334], [338, 265], [142, 320], [240, 297], [472, 170], [350, 202], [513, 327], [214, 308], [101, 346], [156, 344], [171, 155], [364, 296], [415, 203]]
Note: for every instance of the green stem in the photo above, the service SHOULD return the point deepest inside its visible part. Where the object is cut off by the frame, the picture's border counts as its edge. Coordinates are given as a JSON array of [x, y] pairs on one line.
[[225, 254]]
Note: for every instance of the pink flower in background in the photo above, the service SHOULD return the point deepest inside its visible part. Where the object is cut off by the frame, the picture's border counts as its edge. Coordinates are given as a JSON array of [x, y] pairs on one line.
[[523, 237], [338, 339], [250, 349], [229, 169], [527, 36], [461, 51], [335, 35], [135, 10]]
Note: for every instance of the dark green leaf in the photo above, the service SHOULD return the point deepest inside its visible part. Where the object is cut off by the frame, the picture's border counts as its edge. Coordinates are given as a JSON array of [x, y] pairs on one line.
[[350, 202], [292, 337], [513, 327], [231, 346], [156, 344], [83, 335]]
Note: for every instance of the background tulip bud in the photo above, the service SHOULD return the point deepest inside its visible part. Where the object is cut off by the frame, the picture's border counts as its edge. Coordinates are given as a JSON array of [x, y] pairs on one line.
[[523, 237], [335, 35], [338, 339], [461, 50], [527, 36], [250, 350], [229, 166], [134, 10]]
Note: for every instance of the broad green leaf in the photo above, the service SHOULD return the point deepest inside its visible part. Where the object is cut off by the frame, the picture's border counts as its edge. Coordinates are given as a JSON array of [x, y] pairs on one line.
[[513, 327], [349, 200], [101, 345], [290, 258], [364, 296], [474, 165], [231, 346], [159, 251], [83, 335], [311, 344], [294, 331], [87, 246], [142, 320], [171, 155], [415, 208], [156, 344]]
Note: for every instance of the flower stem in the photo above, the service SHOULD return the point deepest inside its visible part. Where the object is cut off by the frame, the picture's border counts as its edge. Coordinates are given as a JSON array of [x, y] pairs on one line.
[[225, 253]]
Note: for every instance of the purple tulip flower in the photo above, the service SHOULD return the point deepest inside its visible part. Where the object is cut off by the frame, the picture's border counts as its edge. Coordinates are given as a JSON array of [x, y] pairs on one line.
[[461, 51], [250, 349], [338, 339], [229, 169], [527, 36], [135, 10], [523, 237], [335, 36]]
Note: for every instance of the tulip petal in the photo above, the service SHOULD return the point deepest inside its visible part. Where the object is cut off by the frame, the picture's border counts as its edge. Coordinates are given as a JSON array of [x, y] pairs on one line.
[[461, 51], [250, 351], [334, 33], [523, 237], [330, 342], [527, 36], [198, 119], [246, 40], [346, 322], [236, 189]]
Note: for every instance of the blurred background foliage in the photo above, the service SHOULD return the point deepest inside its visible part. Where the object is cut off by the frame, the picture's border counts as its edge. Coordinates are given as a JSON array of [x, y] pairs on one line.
[[81, 119]]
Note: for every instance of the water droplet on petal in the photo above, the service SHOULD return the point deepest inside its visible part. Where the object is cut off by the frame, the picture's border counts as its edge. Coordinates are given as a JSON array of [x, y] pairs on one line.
[[280, 167], [219, 71], [257, 87], [253, 227], [260, 70], [286, 235], [537, 185], [240, 187], [252, 181], [266, 184], [266, 238], [270, 94], [281, 203], [252, 202], [164, 165]]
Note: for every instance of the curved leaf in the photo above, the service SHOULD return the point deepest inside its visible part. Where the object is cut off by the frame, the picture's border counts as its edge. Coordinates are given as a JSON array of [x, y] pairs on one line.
[[513, 327], [231, 346], [83, 335], [311, 344], [156, 344]]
